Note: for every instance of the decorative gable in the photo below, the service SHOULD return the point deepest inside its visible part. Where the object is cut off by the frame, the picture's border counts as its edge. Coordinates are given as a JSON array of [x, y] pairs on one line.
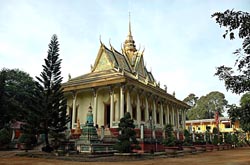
[[103, 63], [139, 66]]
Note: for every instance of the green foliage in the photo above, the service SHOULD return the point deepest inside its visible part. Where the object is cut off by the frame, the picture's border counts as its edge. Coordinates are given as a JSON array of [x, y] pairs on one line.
[[28, 139], [170, 137], [215, 136], [127, 136], [191, 100], [241, 113], [206, 106], [235, 139], [16, 90], [57, 139], [5, 136], [207, 139], [50, 102], [228, 138], [188, 139], [236, 22]]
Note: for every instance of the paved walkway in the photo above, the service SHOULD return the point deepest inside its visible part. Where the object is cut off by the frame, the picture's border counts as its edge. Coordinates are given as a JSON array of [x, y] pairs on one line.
[[239, 156]]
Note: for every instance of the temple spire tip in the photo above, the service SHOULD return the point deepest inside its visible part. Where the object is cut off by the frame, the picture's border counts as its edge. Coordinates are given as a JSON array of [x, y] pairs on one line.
[[130, 25]]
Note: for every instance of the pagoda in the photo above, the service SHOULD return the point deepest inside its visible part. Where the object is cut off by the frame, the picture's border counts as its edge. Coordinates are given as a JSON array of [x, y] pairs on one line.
[[88, 141], [119, 82], [89, 133]]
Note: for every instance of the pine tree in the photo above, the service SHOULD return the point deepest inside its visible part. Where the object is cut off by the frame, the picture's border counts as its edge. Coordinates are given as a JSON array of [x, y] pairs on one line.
[[52, 102]]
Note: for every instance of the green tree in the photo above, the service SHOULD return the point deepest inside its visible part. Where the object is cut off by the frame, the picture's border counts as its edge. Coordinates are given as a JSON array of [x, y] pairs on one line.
[[242, 112], [206, 106], [245, 112], [127, 136], [16, 91], [191, 100], [52, 106], [236, 22]]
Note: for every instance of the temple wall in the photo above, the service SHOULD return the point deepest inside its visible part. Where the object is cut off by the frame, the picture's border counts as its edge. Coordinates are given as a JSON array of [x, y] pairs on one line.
[[102, 99], [83, 100]]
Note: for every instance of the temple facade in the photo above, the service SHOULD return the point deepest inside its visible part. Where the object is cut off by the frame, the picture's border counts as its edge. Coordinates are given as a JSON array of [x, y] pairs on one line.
[[119, 82]]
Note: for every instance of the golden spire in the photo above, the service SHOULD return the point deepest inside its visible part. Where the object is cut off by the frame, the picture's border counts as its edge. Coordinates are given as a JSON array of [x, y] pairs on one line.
[[129, 44], [129, 24]]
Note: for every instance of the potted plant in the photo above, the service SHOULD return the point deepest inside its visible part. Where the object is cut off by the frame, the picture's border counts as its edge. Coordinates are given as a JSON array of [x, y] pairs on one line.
[[170, 140], [187, 145], [199, 144], [127, 141], [228, 141], [215, 140]]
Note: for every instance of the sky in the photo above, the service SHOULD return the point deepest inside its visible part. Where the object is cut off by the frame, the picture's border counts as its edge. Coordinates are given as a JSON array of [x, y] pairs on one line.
[[183, 44]]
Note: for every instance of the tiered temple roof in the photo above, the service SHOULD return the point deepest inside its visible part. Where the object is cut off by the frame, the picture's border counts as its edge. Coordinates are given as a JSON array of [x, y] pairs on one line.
[[112, 67]]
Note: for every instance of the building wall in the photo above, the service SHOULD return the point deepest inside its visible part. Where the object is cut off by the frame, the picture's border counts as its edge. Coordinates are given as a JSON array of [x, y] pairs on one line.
[[134, 102], [199, 126]]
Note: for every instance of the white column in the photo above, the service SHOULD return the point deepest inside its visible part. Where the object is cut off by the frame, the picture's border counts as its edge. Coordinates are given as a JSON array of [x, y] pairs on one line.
[[74, 110], [161, 115], [177, 123], [154, 112], [184, 116], [95, 106], [173, 114], [146, 109], [138, 110], [167, 121], [129, 109], [121, 101], [178, 118], [117, 109], [183, 119], [111, 107]]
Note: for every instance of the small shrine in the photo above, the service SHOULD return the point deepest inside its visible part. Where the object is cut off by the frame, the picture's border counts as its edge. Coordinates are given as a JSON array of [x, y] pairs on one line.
[[88, 141]]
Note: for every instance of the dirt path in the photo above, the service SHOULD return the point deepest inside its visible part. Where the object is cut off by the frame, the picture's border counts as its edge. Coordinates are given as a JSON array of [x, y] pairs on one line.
[[240, 156]]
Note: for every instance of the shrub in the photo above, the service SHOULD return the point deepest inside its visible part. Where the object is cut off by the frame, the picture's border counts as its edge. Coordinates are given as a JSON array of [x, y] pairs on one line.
[[27, 139], [187, 140], [5, 136], [228, 138], [127, 138], [170, 137], [215, 140]]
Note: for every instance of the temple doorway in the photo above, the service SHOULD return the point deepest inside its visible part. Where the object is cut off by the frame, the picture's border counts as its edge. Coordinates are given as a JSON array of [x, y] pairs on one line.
[[107, 116]]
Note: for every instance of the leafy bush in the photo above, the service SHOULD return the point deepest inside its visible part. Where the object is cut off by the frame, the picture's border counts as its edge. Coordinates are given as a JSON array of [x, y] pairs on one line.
[[127, 137], [170, 137], [216, 137], [228, 138], [5, 136], [27, 139], [235, 139], [187, 140]]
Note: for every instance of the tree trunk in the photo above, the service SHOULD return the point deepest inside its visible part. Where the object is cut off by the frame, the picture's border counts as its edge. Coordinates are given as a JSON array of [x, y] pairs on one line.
[[46, 139]]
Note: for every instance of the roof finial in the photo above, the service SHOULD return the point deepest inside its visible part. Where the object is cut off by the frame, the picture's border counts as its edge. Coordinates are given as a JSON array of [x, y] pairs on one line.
[[129, 44], [129, 26]]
